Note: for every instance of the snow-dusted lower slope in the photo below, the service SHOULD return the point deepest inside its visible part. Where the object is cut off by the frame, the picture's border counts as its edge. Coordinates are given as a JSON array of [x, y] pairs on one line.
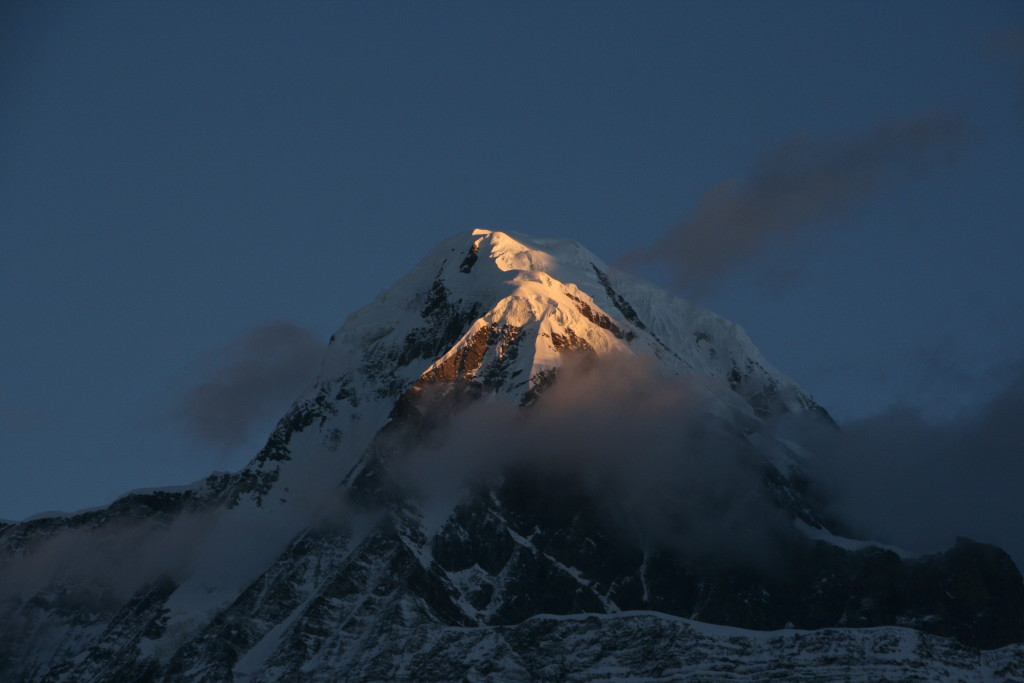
[[513, 431], [650, 646]]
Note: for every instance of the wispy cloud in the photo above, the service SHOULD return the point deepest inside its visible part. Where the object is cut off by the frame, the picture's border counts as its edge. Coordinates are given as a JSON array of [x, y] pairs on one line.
[[901, 478], [20, 420], [1008, 46], [253, 378], [644, 446], [799, 185]]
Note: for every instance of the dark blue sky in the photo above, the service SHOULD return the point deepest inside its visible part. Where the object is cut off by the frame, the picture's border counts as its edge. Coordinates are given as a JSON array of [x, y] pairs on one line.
[[176, 175]]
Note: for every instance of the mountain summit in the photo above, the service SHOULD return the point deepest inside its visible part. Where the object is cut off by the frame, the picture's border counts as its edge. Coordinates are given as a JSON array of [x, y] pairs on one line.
[[498, 314], [517, 463]]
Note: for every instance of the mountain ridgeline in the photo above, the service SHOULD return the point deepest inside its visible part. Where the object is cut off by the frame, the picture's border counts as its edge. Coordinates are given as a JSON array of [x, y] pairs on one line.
[[517, 463]]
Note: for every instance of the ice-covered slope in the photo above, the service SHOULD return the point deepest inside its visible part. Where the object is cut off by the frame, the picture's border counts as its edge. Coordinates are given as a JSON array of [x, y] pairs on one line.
[[320, 560]]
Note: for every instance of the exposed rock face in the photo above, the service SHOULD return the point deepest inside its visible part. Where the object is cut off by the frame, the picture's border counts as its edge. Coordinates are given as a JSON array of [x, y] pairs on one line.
[[323, 559]]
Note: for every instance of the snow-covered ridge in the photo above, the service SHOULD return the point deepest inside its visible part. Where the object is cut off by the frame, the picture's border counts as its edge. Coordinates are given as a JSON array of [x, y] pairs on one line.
[[196, 486], [819, 534], [651, 646]]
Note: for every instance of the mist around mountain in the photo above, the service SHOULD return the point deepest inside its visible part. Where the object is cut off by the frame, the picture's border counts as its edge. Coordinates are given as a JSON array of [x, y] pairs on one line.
[[516, 464]]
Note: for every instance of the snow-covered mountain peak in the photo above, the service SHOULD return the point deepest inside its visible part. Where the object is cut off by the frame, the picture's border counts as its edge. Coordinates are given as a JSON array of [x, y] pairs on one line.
[[511, 251], [502, 309], [497, 315], [438, 506]]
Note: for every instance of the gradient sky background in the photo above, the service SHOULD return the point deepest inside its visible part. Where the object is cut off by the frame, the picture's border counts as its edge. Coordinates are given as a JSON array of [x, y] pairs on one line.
[[186, 188]]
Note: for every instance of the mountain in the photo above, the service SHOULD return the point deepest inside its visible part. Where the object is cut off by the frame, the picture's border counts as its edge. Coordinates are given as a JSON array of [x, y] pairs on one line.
[[515, 464]]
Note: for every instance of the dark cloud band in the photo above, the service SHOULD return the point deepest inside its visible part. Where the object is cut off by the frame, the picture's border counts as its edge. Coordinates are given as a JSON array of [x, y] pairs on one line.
[[802, 183], [256, 376]]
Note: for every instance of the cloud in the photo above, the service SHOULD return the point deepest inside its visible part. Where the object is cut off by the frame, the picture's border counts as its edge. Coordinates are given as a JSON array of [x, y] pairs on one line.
[[802, 183], [900, 478], [109, 562], [254, 378], [120, 557], [670, 473], [20, 420], [665, 471], [1008, 46]]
